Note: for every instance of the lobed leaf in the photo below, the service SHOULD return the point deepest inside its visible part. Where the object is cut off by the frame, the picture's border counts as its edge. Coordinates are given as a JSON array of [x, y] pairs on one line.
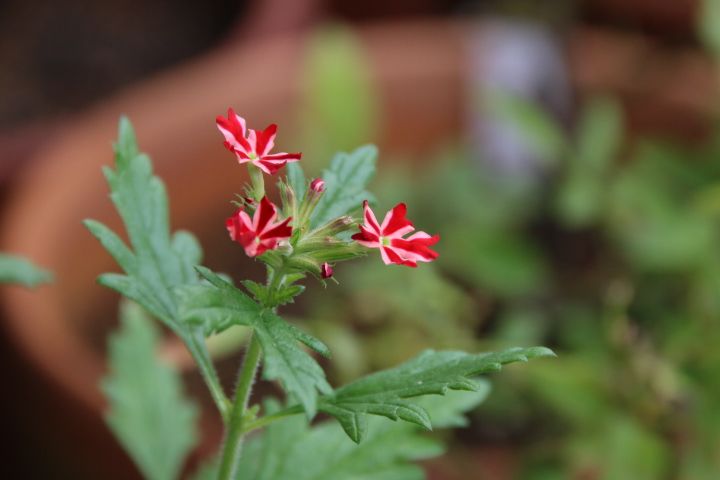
[[345, 184], [20, 271], [386, 393], [292, 449], [148, 412], [158, 261], [219, 305]]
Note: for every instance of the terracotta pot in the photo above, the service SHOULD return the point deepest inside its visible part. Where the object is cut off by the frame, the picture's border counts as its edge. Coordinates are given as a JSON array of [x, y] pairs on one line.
[[419, 70]]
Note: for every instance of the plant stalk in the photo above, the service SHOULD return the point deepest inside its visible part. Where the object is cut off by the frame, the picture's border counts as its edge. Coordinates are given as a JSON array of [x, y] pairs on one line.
[[207, 370], [230, 458], [257, 181]]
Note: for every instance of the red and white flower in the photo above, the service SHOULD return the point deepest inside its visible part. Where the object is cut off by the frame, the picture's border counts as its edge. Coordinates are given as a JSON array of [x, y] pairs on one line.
[[253, 146], [262, 232], [388, 237]]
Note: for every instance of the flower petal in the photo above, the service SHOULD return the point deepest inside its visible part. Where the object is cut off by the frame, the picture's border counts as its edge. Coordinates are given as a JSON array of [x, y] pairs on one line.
[[278, 231], [395, 224], [264, 215], [265, 140], [367, 238], [233, 129], [370, 220], [416, 248]]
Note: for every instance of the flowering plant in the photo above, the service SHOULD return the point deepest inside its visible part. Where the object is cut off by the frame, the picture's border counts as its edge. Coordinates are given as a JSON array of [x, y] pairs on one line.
[[307, 231]]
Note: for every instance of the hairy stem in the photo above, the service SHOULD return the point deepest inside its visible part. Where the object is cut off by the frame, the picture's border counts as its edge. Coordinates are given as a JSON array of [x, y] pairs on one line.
[[258, 182], [230, 457], [272, 418]]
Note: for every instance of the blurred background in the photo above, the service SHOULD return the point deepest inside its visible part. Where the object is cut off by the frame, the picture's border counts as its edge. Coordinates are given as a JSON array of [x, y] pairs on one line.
[[568, 153]]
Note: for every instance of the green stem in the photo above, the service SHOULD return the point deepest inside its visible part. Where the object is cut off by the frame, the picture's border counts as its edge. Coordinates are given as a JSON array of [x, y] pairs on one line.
[[258, 181], [196, 347], [268, 419], [230, 458]]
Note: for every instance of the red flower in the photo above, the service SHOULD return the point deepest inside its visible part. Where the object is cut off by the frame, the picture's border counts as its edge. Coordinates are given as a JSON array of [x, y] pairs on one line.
[[388, 237], [256, 146], [260, 234]]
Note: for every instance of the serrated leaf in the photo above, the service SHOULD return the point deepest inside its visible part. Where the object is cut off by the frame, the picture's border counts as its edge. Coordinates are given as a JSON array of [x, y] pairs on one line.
[[216, 306], [296, 179], [287, 294], [158, 262], [292, 449], [220, 305], [386, 393], [345, 184], [18, 270], [258, 291], [148, 412], [300, 375]]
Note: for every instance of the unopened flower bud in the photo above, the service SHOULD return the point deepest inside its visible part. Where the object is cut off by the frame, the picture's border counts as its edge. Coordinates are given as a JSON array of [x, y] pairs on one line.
[[317, 185], [326, 271], [334, 227]]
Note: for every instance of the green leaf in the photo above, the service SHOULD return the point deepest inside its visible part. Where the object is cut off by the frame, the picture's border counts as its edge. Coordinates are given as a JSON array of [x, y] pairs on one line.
[[709, 25], [542, 133], [345, 183], [341, 107], [582, 195], [298, 372], [220, 305], [22, 272], [296, 179], [386, 393], [216, 306], [292, 449], [158, 262], [148, 412]]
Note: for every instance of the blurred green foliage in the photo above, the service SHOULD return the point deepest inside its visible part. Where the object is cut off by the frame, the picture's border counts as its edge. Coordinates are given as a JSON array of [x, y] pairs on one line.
[[611, 257]]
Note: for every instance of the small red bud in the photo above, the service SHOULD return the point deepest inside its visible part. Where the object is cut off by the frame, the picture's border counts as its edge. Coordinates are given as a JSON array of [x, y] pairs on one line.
[[326, 271], [317, 185]]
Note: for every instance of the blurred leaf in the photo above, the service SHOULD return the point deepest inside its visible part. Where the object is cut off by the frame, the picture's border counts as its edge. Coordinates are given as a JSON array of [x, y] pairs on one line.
[[221, 305], [340, 107], [386, 393], [503, 262], [623, 448], [345, 184], [20, 271], [148, 412], [291, 449], [652, 222], [709, 25], [296, 179], [544, 135], [581, 195]]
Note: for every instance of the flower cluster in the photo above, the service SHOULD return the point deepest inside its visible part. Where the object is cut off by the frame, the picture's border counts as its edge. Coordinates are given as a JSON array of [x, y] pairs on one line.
[[257, 225]]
